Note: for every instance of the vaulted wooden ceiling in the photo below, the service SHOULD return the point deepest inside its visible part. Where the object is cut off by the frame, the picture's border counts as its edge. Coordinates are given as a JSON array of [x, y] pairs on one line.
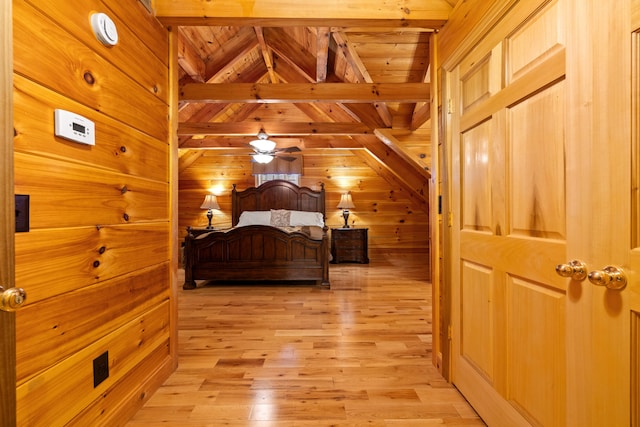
[[319, 75]]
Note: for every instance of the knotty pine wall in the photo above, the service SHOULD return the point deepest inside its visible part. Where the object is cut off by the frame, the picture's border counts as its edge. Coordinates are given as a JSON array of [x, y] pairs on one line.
[[96, 262], [394, 224]]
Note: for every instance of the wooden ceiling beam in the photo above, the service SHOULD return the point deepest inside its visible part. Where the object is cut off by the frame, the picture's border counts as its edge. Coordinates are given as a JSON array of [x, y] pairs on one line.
[[365, 113], [187, 158], [385, 30], [189, 59], [405, 171], [306, 143], [360, 71], [351, 24], [422, 110], [293, 53], [325, 112], [388, 137], [223, 69], [313, 13], [273, 128], [323, 37], [302, 92], [213, 111], [393, 178], [266, 55], [420, 115]]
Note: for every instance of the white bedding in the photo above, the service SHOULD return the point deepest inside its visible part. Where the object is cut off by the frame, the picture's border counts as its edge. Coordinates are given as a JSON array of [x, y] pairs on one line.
[[276, 217]]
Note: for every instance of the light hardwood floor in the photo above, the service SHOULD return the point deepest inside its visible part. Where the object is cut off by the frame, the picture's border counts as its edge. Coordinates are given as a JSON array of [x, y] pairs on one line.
[[271, 355]]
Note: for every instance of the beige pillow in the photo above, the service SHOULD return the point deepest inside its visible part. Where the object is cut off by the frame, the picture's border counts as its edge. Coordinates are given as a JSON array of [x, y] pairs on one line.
[[280, 217], [300, 218], [254, 218]]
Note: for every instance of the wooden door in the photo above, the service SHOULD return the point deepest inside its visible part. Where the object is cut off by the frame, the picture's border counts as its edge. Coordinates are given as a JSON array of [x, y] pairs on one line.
[[603, 335], [7, 319], [514, 166], [602, 322], [545, 151]]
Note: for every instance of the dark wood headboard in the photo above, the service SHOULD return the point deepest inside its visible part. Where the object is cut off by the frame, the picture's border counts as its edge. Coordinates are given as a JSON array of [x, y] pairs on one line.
[[277, 194]]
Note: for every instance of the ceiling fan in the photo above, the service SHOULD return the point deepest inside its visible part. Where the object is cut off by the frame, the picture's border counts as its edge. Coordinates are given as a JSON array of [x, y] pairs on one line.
[[265, 150]]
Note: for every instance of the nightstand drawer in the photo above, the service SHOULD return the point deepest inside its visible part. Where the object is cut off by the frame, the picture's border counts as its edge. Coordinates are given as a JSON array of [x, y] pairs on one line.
[[344, 255], [349, 245]]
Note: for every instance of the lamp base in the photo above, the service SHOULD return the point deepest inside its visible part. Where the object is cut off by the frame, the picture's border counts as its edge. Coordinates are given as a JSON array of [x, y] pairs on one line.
[[209, 216], [345, 215]]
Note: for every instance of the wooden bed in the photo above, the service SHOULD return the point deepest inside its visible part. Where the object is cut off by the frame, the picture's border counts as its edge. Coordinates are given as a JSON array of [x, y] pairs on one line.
[[261, 252]]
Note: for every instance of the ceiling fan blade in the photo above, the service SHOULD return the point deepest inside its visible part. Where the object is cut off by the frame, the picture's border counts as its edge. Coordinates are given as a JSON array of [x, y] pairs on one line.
[[287, 158], [288, 150]]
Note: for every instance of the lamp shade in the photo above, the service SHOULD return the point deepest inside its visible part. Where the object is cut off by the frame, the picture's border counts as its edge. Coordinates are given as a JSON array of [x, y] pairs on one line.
[[346, 202], [263, 145], [262, 158], [210, 202]]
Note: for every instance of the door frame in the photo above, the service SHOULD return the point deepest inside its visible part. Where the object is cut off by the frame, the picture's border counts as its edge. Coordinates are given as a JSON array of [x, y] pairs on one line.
[[7, 220]]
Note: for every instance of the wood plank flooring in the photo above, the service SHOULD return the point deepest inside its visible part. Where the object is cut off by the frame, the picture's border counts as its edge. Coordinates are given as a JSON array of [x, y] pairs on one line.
[[273, 355]]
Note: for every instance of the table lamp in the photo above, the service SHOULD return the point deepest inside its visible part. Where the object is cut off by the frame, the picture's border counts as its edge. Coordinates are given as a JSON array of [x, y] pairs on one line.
[[210, 203], [345, 204]]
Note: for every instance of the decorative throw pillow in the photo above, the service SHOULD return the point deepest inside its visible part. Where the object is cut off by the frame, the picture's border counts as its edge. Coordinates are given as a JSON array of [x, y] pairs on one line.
[[280, 217]]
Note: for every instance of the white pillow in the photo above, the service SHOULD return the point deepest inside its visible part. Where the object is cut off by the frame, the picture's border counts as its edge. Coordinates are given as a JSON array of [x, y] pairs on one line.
[[254, 218], [301, 218]]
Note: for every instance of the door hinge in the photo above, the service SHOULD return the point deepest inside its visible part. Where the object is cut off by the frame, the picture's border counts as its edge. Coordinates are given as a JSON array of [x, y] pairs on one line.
[[449, 219], [450, 106], [449, 333]]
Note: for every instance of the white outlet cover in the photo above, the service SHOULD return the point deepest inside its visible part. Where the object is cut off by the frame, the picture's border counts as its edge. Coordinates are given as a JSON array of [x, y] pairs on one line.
[[104, 29]]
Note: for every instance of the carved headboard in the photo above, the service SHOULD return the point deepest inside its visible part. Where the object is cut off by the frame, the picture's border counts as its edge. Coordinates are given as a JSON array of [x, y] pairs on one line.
[[276, 194]]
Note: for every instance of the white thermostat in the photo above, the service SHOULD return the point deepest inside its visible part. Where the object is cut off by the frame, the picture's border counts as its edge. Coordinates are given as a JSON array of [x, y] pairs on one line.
[[74, 127]]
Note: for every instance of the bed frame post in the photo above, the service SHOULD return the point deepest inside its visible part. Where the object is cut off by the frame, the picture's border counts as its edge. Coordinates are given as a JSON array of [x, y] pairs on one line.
[[187, 254]]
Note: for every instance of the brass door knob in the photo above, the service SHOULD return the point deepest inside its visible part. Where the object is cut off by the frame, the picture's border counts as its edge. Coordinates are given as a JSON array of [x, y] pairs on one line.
[[575, 269], [11, 298], [611, 277]]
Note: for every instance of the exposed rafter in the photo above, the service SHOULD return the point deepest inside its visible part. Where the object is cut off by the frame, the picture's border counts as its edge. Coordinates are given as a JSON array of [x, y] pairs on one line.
[[189, 59], [391, 175], [266, 54], [300, 92], [360, 71], [293, 53], [311, 13], [322, 53], [273, 129]]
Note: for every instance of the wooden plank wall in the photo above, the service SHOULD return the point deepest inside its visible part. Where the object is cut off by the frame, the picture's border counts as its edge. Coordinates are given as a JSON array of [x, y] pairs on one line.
[[394, 224], [96, 261]]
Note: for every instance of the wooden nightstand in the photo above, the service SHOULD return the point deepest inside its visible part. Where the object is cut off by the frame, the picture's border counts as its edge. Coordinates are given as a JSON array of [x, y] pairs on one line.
[[349, 245], [197, 231]]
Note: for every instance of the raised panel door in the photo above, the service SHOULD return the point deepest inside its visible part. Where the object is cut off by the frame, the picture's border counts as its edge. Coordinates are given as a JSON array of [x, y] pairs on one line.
[[509, 154], [549, 165]]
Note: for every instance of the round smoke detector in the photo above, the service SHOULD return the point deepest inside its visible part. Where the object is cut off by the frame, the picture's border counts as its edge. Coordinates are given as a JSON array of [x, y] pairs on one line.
[[104, 29]]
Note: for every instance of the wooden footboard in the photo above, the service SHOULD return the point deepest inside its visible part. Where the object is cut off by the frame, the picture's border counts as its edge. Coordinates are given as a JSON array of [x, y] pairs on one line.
[[256, 253]]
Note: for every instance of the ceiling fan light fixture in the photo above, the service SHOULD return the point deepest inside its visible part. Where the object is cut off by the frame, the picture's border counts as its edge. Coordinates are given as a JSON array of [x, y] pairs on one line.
[[262, 158], [263, 145]]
